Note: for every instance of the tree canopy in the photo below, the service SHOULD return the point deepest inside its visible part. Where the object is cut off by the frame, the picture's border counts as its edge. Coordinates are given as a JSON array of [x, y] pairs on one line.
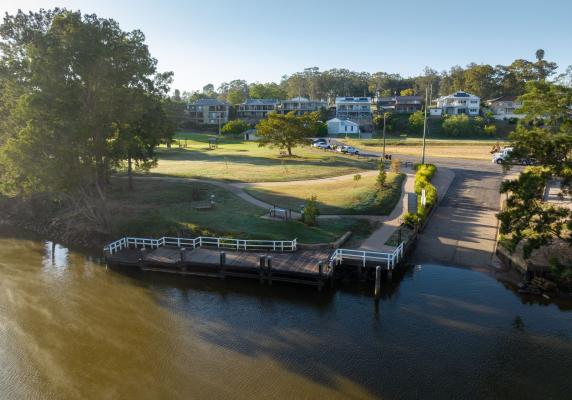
[[544, 136], [80, 97], [286, 131]]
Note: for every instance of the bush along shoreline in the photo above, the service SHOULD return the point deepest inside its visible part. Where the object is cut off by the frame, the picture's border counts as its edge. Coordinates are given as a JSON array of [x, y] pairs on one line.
[[423, 176]]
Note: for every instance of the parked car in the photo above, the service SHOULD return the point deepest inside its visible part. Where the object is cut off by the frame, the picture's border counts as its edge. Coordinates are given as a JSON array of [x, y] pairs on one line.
[[348, 150], [500, 156], [321, 145]]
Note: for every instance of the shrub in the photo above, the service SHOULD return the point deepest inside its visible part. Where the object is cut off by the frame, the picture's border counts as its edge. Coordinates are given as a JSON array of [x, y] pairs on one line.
[[416, 121], [456, 125], [311, 212], [381, 176], [321, 129], [423, 176], [490, 130], [410, 219], [236, 126], [395, 165]]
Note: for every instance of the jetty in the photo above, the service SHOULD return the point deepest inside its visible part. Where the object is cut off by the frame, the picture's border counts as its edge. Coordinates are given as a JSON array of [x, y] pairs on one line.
[[266, 260]]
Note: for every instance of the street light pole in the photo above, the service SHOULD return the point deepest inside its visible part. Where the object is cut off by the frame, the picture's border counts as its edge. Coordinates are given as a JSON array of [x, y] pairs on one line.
[[425, 126]]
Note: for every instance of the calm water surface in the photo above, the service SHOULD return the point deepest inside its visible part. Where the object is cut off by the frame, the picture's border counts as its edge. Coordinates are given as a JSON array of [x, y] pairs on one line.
[[72, 329]]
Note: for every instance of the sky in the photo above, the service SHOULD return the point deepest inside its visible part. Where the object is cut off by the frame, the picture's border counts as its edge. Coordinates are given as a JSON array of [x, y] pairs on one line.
[[214, 41]]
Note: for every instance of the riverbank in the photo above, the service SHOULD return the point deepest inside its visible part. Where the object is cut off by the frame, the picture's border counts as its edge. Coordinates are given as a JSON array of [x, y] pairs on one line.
[[172, 207]]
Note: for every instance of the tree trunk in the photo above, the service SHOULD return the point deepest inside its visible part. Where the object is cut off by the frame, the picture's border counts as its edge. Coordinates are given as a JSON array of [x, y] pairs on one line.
[[130, 173], [289, 151]]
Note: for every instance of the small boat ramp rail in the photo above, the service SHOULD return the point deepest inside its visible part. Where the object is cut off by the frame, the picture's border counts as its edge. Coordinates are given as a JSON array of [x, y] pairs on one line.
[[373, 258], [202, 241]]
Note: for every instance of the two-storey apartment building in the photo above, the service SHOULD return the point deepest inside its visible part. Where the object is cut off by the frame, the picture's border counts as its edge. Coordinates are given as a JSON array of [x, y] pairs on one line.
[[457, 103], [208, 112], [400, 104], [253, 110], [356, 109], [301, 105]]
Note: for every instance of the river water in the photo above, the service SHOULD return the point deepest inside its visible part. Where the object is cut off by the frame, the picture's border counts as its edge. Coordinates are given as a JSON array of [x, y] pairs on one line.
[[72, 329]]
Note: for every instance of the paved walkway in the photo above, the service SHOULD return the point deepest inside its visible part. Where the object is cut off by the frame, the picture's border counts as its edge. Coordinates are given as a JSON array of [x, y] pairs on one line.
[[376, 242]]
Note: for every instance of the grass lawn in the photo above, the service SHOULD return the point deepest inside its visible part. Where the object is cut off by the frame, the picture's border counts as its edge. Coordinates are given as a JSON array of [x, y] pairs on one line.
[[236, 160], [157, 208], [469, 149], [336, 196]]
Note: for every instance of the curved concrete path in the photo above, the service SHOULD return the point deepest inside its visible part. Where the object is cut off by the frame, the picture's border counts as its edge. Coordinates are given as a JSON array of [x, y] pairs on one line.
[[376, 241], [237, 189]]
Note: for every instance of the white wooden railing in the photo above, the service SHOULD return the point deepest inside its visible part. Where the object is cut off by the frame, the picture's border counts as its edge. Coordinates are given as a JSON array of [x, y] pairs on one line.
[[389, 259], [221, 243]]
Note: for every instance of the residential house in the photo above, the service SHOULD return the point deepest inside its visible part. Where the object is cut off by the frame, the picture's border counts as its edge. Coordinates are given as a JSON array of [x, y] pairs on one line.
[[504, 107], [457, 103], [301, 105], [356, 109], [400, 104], [338, 126], [253, 110], [208, 112]]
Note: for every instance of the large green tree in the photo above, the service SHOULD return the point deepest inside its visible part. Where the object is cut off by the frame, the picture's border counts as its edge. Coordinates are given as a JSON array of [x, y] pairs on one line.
[[545, 136], [286, 131], [74, 83]]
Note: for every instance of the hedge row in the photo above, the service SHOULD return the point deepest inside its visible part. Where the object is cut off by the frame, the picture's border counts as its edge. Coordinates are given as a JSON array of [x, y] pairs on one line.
[[423, 176]]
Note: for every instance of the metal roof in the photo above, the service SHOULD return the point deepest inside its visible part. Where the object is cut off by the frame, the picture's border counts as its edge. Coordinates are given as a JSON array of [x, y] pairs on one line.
[[208, 102]]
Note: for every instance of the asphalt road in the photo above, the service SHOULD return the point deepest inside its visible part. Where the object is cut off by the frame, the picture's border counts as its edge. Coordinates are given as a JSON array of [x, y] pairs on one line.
[[463, 228]]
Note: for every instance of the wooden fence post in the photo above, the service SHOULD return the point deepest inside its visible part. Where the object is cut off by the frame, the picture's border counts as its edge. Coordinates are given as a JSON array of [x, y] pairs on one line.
[[320, 275], [377, 281], [262, 264], [222, 259], [269, 265]]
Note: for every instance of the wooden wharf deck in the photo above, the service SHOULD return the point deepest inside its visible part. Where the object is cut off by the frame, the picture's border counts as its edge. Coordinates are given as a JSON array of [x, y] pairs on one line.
[[265, 260], [300, 266]]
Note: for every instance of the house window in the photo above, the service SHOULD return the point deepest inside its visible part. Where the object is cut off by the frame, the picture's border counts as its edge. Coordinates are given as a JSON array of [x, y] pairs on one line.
[[352, 128]]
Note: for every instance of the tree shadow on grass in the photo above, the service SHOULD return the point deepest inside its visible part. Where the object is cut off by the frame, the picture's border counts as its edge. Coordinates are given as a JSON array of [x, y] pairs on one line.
[[202, 156]]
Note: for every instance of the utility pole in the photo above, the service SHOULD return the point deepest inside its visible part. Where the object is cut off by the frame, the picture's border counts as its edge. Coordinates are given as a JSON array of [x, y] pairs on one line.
[[384, 117], [425, 125]]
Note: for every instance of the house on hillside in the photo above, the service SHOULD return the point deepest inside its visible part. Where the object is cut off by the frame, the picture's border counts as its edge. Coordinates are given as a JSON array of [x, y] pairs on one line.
[[504, 107], [253, 110], [301, 105], [337, 126], [356, 109], [208, 112], [400, 104], [457, 103]]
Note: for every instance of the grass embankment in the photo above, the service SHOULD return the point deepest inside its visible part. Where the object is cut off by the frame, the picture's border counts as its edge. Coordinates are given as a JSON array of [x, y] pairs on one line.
[[157, 208], [237, 160], [339, 196], [447, 148]]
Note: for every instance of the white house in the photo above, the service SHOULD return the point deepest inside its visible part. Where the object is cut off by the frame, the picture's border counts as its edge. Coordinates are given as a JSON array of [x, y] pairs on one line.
[[338, 126], [504, 107], [457, 103]]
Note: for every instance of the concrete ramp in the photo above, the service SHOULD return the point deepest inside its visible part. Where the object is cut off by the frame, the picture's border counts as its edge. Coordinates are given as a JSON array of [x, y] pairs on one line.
[[463, 229]]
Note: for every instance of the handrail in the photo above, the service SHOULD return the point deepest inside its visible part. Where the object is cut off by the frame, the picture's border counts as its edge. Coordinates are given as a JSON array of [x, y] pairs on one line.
[[391, 259], [207, 241]]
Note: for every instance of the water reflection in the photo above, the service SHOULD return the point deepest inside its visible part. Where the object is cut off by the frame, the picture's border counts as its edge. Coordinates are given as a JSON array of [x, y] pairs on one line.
[[69, 328]]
